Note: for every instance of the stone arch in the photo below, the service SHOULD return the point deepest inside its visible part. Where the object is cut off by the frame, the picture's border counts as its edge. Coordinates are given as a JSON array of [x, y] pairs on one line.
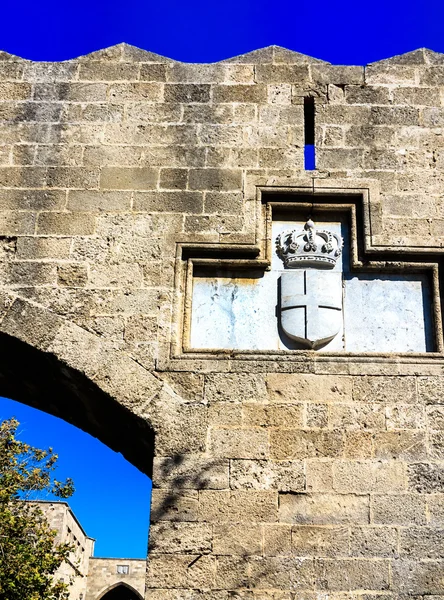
[[50, 363], [112, 592]]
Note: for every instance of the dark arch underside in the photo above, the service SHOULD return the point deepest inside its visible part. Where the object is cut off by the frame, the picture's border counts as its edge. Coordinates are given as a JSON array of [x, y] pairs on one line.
[[40, 380], [121, 592]]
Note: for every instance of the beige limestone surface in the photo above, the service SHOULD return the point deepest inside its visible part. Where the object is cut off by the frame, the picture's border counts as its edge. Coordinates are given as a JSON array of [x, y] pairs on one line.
[[291, 475]]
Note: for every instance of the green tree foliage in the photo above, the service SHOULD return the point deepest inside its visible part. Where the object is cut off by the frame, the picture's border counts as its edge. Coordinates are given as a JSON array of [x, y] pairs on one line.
[[29, 556]]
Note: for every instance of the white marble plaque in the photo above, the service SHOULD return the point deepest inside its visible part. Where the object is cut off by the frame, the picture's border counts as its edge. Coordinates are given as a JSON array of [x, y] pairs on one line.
[[247, 310]]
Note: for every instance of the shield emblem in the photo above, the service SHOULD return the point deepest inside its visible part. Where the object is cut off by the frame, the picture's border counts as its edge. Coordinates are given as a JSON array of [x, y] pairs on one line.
[[311, 306]]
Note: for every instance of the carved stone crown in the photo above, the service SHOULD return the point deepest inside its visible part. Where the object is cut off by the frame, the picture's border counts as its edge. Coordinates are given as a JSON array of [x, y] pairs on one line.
[[309, 247]]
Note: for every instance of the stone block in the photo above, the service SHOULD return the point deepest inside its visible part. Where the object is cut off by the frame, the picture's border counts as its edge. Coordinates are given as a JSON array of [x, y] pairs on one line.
[[361, 477], [435, 417], [52, 223], [432, 76], [406, 416], [71, 177], [43, 247], [100, 71], [394, 115], [238, 506], [225, 414], [352, 417], [17, 223], [319, 541], [239, 443], [376, 542], [187, 93], [272, 415], [277, 539], [421, 543], [426, 478], [173, 179], [297, 444], [180, 538], [295, 387], [234, 387], [319, 475], [402, 445], [367, 94], [123, 275], [417, 578], [282, 73], [279, 93], [431, 390], [20, 322], [223, 202], [281, 573], [93, 201], [140, 328], [172, 420], [189, 386], [215, 179], [359, 444], [239, 93], [435, 505], [323, 509], [285, 476], [228, 136], [179, 571], [193, 472], [72, 275], [149, 92], [380, 73], [281, 115], [281, 157], [23, 177], [340, 114], [170, 505], [15, 91], [366, 136], [436, 442], [416, 96], [398, 509], [178, 202], [316, 415], [153, 72], [338, 75], [384, 389], [237, 539], [27, 273], [339, 159], [352, 574], [231, 572], [129, 178]]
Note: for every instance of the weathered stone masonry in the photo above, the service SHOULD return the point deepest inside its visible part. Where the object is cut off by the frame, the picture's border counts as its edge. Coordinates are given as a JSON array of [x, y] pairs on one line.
[[277, 476]]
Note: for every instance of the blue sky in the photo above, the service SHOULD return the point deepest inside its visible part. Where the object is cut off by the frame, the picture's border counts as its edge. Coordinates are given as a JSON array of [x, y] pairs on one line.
[[339, 31], [334, 30], [112, 497]]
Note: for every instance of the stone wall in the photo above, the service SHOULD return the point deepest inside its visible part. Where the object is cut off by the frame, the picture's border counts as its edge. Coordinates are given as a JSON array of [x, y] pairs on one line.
[[107, 573], [69, 531], [277, 477]]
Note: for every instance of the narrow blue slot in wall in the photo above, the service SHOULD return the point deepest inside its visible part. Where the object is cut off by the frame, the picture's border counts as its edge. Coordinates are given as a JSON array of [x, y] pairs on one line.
[[309, 134], [309, 157]]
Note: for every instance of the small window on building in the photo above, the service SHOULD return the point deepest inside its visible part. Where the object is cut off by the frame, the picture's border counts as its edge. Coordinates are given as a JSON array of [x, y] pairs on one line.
[[122, 569]]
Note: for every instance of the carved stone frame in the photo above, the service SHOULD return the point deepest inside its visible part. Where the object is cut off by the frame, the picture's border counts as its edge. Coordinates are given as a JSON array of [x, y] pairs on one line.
[[359, 200]]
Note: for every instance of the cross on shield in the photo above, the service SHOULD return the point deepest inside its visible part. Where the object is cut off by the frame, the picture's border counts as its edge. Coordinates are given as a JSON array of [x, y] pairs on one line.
[[311, 306]]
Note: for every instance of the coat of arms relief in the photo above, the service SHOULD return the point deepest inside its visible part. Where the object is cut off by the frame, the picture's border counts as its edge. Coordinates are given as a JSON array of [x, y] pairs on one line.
[[310, 298], [310, 291]]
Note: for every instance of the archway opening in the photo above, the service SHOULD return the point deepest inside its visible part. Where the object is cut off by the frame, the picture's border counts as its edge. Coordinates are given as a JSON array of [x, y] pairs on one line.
[[40, 380], [121, 592]]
